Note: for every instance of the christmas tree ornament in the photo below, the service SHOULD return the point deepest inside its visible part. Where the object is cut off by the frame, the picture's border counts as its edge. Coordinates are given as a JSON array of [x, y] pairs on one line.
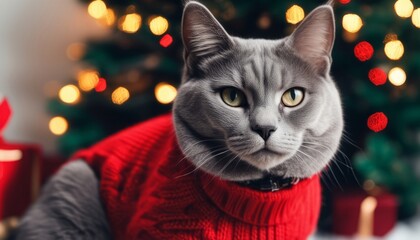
[[377, 122], [363, 51], [377, 76]]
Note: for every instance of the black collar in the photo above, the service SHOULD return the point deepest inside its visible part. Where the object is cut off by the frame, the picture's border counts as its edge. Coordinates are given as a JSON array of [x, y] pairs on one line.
[[270, 183]]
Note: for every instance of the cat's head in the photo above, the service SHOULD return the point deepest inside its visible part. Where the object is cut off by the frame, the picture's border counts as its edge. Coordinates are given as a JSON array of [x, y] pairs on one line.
[[247, 107]]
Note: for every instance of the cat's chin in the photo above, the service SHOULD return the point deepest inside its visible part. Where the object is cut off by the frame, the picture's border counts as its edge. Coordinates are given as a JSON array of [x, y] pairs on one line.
[[266, 159]]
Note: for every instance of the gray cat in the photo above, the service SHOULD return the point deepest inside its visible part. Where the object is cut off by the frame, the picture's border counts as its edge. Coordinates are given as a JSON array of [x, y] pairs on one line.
[[267, 107]]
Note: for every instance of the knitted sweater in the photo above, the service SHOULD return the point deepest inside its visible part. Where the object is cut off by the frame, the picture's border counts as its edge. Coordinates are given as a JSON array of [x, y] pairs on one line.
[[150, 191]]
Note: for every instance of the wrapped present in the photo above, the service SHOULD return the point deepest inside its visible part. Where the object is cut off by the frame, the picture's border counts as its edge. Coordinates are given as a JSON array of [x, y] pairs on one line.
[[362, 215], [19, 171]]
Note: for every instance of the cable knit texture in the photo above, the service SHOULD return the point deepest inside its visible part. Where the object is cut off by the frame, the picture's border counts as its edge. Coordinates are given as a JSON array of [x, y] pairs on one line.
[[150, 191]]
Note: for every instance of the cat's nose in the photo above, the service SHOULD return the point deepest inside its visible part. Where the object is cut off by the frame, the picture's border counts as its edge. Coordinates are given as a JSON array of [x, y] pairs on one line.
[[264, 131]]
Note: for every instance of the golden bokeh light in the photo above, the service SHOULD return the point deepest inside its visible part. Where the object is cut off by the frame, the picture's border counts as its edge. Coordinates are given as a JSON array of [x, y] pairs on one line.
[[394, 49], [295, 14], [415, 18], [404, 8], [76, 51], [397, 76], [130, 23], [58, 125], [87, 79], [165, 93], [109, 18], [69, 94], [97, 9], [352, 23], [158, 25], [120, 95]]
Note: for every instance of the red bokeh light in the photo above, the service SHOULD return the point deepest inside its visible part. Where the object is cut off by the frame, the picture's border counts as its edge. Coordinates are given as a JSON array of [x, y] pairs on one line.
[[377, 76], [344, 2], [377, 122], [363, 51], [5, 112], [101, 86], [166, 40]]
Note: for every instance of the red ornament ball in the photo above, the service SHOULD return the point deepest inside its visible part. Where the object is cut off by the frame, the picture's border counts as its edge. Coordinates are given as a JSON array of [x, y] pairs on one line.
[[363, 51], [344, 2], [166, 40], [377, 122], [377, 76]]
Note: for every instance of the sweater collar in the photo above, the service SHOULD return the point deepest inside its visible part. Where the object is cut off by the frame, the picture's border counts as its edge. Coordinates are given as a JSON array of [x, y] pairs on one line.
[[300, 201]]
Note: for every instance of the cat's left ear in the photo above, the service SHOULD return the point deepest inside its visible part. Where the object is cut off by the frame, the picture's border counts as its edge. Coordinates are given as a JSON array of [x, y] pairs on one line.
[[313, 39]]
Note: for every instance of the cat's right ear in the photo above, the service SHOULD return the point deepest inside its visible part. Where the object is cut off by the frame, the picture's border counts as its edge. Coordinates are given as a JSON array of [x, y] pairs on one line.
[[202, 34]]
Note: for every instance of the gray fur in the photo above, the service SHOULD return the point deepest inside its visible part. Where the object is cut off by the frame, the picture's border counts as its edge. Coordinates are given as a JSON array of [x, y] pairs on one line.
[[218, 138], [69, 208]]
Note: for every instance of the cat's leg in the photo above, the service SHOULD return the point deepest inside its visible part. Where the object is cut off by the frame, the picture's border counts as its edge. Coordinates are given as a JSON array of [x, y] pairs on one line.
[[69, 208]]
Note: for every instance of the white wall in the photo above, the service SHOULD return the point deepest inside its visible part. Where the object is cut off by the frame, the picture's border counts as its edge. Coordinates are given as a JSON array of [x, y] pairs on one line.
[[34, 36]]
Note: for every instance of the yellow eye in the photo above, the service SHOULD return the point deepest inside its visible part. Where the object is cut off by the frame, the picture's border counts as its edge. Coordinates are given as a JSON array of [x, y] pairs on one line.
[[233, 97], [292, 97]]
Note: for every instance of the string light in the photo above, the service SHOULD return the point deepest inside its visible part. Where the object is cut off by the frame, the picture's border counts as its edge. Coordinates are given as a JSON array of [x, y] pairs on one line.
[[264, 21], [76, 51], [295, 14], [58, 125], [415, 18], [377, 122], [120, 95], [165, 93], [158, 25], [352, 22], [404, 8], [109, 18], [130, 23], [397, 76], [363, 51], [166, 40], [394, 49], [69, 94], [87, 80], [101, 86], [97, 9]]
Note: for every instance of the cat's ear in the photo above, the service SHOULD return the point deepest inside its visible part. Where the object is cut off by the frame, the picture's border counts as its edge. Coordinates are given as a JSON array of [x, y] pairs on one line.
[[202, 34], [313, 39]]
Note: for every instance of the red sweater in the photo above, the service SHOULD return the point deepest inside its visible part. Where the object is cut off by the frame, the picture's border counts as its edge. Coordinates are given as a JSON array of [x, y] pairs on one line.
[[148, 195]]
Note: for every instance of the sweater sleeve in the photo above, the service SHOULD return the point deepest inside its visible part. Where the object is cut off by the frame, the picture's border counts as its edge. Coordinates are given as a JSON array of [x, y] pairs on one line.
[[68, 208]]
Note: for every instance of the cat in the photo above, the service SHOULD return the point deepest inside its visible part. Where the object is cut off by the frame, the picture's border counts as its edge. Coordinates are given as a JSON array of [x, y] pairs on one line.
[[247, 110]]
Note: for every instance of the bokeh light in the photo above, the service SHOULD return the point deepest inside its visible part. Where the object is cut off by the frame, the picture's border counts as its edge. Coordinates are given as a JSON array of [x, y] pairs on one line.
[[109, 18], [352, 22], [69, 94], [377, 121], [166, 40], [120, 95], [377, 76], [97, 9], [404, 8], [87, 80], [58, 125], [415, 18], [158, 25], [130, 23], [165, 93], [295, 14], [394, 49], [76, 51], [363, 51], [101, 86], [397, 76]]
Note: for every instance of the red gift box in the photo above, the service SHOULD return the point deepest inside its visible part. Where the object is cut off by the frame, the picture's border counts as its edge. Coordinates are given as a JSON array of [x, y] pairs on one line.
[[19, 171], [351, 213]]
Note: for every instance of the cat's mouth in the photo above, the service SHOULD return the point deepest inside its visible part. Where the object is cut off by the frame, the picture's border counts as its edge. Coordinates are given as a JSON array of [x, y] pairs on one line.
[[266, 158]]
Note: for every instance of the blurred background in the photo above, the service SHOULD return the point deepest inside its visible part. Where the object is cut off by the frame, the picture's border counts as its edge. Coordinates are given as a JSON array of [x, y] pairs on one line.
[[75, 71]]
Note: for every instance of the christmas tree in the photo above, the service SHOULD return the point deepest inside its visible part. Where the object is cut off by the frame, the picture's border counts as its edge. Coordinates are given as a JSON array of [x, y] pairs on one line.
[[132, 75]]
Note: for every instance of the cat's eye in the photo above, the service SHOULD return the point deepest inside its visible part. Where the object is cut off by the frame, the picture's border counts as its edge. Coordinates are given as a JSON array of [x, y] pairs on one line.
[[233, 97], [292, 97]]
